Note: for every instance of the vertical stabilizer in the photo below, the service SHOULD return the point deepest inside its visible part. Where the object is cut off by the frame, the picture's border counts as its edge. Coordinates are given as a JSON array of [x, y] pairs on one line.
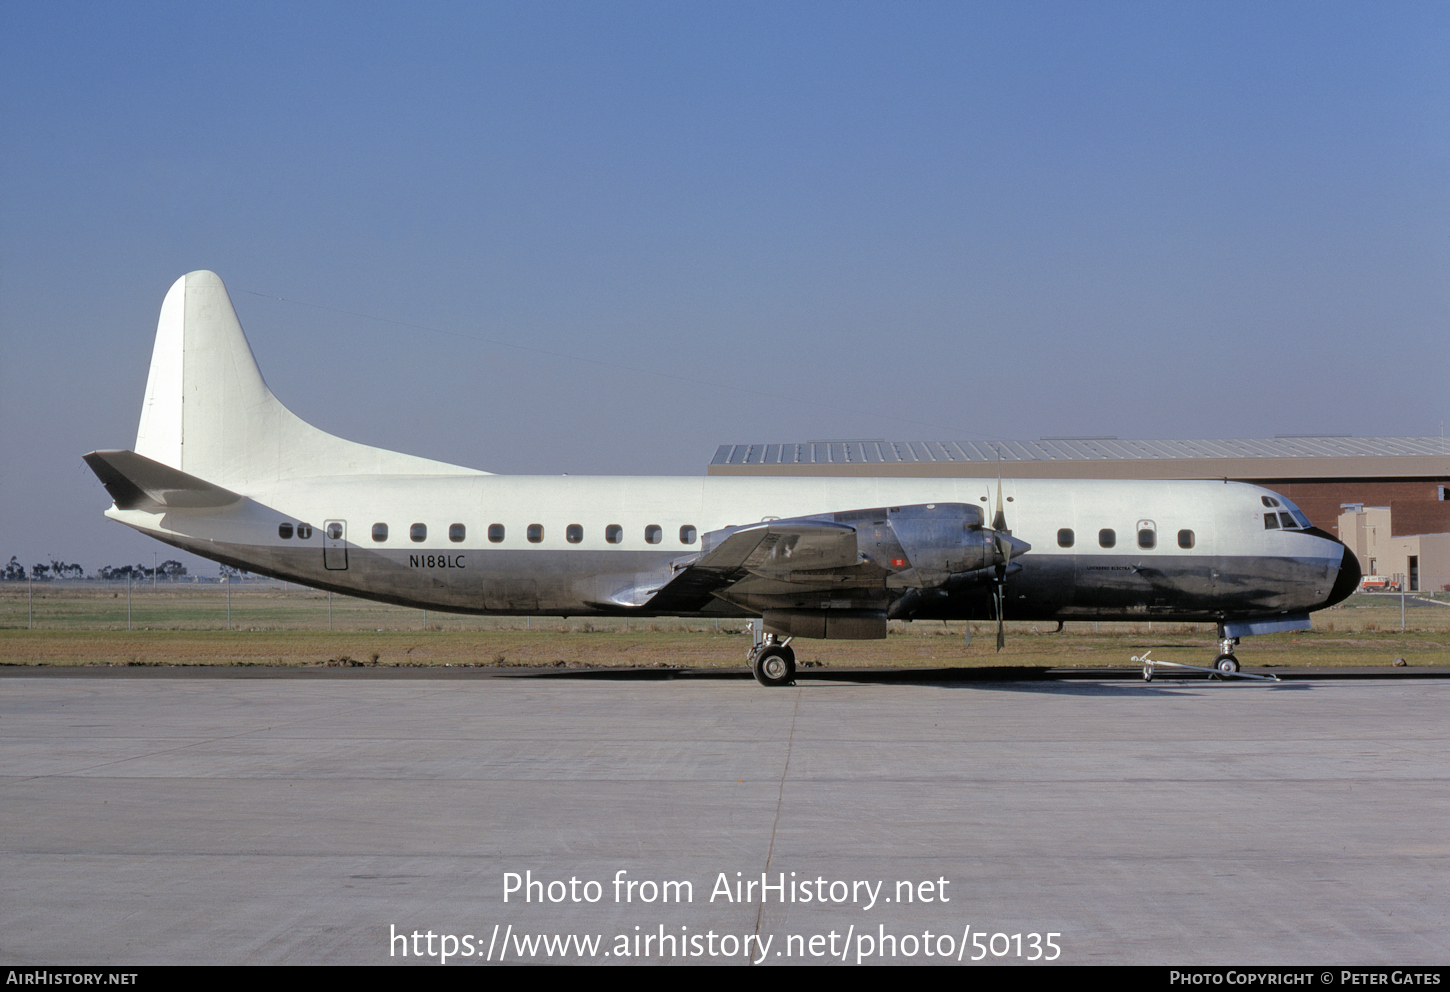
[[209, 413]]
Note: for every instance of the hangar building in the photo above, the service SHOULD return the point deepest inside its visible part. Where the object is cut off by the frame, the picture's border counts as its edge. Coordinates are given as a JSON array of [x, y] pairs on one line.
[[1385, 497]]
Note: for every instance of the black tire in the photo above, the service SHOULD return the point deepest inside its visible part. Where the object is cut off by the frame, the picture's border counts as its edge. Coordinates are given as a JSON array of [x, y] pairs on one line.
[[774, 667], [1226, 663]]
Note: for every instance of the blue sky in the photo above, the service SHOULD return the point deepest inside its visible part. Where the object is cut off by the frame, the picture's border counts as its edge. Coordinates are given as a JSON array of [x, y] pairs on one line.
[[605, 238]]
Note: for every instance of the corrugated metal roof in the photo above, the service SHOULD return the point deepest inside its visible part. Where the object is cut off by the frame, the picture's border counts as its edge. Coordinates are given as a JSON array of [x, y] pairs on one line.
[[1073, 449]]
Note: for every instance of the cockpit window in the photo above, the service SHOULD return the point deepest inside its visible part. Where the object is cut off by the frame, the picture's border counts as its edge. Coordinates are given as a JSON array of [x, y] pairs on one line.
[[1287, 521], [1271, 521], [1296, 513], [1269, 501]]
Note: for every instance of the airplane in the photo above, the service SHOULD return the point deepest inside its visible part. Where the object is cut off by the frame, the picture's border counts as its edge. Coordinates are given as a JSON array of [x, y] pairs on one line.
[[222, 469]]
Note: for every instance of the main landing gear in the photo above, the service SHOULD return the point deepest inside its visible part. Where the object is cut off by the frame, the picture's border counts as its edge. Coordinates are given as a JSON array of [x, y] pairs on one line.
[[772, 660]]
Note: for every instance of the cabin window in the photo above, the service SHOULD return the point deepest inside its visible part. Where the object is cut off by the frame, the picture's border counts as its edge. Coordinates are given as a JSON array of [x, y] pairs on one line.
[[1147, 538], [304, 531], [688, 534], [284, 531], [1107, 537], [574, 533], [652, 534], [535, 533], [1271, 521], [1287, 520], [1065, 537], [334, 531], [495, 533], [456, 533], [614, 533], [1185, 539], [418, 532], [380, 532]]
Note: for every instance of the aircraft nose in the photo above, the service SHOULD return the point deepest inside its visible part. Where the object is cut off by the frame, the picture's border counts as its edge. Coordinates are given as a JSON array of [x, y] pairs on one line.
[[1348, 579]]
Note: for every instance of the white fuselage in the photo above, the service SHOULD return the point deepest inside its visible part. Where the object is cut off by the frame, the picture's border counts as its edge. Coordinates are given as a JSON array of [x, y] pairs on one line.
[[1223, 523]]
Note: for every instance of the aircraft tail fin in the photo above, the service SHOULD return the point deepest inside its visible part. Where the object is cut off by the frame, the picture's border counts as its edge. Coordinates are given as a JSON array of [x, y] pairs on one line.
[[208, 412]]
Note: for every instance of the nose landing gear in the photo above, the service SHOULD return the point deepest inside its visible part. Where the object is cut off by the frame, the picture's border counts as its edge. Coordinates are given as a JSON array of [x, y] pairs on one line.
[[1226, 662]]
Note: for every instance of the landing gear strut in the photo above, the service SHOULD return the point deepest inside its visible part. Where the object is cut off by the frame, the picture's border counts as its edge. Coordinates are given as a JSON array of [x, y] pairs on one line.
[[771, 660], [1226, 662]]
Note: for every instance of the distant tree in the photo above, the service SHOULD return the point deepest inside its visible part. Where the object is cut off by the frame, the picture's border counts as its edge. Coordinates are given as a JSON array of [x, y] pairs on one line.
[[40, 572], [171, 569], [61, 570], [116, 572], [14, 571]]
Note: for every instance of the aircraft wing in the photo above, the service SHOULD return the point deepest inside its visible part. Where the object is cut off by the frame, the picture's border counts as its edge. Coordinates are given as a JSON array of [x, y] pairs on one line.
[[785, 550]]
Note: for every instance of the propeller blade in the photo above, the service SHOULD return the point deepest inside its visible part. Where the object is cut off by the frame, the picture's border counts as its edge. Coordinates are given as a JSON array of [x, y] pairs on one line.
[[1004, 545]]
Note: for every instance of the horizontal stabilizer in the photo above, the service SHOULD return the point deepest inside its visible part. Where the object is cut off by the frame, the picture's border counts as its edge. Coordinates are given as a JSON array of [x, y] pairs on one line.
[[136, 482]]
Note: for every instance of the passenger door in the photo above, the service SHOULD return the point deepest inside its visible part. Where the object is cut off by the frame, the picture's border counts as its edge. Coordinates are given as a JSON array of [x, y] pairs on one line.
[[334, 545]]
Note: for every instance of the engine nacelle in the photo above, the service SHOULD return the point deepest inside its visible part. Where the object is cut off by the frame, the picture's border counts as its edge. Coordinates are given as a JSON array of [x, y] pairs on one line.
[[942, 539]]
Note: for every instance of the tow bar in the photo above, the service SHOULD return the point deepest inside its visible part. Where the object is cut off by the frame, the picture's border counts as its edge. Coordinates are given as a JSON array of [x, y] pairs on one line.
[[1149, 664]]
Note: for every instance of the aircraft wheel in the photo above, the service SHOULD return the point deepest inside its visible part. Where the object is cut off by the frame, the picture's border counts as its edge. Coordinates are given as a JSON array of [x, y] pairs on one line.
[[1226, 663], [775, 666], [1147, 674]]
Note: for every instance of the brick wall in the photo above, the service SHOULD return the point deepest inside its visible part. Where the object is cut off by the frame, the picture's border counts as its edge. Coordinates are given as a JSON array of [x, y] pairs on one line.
[[1414, 503]]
